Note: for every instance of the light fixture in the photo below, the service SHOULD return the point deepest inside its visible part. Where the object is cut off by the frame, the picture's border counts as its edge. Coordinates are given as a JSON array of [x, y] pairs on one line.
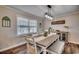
[[48, 14]]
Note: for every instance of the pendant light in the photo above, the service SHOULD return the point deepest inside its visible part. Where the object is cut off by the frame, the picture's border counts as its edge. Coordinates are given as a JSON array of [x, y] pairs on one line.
[[48, 14]]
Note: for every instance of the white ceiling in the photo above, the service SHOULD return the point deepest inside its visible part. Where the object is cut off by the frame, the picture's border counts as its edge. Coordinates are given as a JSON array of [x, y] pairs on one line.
[[39, 10]]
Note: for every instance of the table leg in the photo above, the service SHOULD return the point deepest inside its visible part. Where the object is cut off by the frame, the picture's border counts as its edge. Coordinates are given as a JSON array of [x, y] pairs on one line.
[[44, 50]]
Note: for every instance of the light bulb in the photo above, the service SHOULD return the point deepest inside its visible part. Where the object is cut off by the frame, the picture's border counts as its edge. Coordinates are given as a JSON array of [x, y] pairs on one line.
[[48, 17]]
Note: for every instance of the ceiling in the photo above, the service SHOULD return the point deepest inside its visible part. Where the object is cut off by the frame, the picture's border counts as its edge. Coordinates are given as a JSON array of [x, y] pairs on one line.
[[39, 10]]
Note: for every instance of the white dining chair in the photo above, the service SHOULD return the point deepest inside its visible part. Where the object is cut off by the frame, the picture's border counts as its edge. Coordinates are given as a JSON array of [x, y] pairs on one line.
[[56, 48], [32, 48]]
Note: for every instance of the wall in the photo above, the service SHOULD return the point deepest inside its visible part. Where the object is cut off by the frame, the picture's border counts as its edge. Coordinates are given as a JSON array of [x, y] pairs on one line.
[[72, 20], [8, 36]]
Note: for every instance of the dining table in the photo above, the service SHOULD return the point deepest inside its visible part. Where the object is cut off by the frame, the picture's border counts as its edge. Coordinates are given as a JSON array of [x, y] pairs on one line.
[[42, 41]]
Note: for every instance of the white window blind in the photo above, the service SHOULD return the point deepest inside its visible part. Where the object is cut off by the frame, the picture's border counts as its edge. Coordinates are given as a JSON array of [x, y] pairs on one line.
[[33, 26], [25, 26]]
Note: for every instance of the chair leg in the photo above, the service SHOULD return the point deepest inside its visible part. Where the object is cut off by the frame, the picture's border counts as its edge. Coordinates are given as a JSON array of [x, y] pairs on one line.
[[28, 48], [35, 47]]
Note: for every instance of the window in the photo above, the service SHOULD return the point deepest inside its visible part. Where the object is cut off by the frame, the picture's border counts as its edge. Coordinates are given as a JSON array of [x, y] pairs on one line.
[[33, 26], [25, 26]]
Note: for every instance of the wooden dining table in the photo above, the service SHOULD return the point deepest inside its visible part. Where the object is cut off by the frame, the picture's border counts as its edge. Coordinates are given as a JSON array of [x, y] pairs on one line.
[[44, 42]]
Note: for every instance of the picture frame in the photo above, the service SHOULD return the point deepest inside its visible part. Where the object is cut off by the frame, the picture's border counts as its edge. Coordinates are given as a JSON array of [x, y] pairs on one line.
[[6, 22], [58, 22]]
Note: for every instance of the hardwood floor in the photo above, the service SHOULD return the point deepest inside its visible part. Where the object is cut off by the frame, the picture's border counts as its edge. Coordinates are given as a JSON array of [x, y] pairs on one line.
[[16, 50], [71, 48], [19, 50]]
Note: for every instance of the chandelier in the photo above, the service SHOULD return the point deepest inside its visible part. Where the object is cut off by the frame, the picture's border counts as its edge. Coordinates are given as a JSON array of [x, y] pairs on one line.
[[48, 14]]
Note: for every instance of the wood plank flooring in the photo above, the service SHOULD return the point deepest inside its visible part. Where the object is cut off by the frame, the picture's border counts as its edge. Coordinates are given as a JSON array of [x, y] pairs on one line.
[[71, 48], [16, 50]]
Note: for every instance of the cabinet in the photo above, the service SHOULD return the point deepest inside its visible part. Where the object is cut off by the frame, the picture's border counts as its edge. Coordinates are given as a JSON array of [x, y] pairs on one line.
[[63, 36]]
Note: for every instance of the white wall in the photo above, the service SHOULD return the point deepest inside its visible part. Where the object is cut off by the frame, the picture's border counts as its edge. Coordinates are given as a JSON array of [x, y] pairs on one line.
[[47, 24]]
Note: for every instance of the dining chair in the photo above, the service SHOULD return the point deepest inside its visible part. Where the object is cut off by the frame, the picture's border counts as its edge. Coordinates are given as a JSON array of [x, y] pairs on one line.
[[56, 48], [32, 48]]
